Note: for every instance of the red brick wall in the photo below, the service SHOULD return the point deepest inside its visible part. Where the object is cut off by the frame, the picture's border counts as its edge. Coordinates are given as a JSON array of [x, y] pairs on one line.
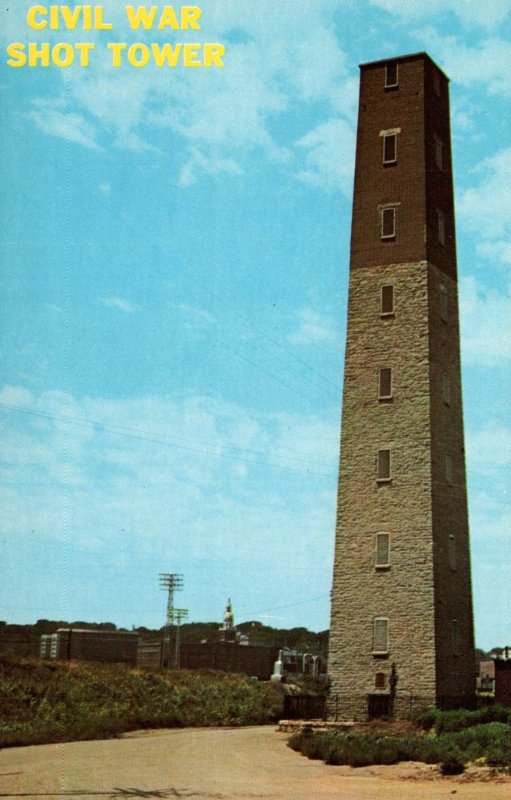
[[414, 183]]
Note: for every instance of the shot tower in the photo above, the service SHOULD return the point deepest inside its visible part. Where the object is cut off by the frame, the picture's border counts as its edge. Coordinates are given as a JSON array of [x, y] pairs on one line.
[[401, 629]]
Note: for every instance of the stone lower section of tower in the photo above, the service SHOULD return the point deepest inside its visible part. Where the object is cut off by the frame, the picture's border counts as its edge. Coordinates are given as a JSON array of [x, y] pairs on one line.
[[401, 631]]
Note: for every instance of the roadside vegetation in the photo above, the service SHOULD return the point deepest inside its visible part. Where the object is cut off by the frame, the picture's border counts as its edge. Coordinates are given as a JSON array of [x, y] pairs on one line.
[[451, 739], [43, 701]]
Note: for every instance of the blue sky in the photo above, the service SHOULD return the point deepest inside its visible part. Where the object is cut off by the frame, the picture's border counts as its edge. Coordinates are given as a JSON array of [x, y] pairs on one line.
[[174, 295]]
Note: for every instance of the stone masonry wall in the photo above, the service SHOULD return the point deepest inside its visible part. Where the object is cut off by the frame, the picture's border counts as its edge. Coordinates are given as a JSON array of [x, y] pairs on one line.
[[453, 602], [425, 592], [403, 593]]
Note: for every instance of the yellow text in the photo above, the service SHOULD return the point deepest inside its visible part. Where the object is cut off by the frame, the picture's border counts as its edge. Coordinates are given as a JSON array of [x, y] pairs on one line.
[[146, 17], [44, 54], [57, 17], [167, 55]]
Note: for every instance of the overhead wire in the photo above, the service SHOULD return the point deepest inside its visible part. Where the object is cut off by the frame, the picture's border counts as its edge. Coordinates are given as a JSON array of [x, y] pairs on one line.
[[188, 276], [296, 464]]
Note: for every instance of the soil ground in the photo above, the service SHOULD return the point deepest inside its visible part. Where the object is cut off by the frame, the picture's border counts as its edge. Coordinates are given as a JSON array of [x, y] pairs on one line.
[[223, 764]]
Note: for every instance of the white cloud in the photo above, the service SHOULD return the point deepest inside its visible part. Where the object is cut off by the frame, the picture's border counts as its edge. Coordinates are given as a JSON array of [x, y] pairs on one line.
[[66, 125], [485, 323], [488, 463], [118, 302], [487, 64], [329, 155], [195, 318], [187, 477], [313, 328], [489, 449], [153, 455], [214, 123], [486, 208], [497, 251], [469, 12], [199, 163], [15, 396]]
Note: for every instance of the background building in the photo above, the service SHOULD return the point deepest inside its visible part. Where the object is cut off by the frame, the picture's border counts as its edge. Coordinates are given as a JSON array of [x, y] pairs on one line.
[[90, 645], [401, 625]]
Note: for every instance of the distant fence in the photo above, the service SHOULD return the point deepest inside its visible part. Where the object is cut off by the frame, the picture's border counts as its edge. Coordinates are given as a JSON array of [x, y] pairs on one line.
[[304, 707], [341, 707]]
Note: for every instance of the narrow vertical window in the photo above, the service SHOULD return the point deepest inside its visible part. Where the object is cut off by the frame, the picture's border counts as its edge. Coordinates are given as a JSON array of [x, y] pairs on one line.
[[381, 635], [436, 82], [439, 152], [452, 554], [446, 389], [389, 148], [387, 300], [383, 465], [382, 555], [384, 383], [391, 74], [379, 680], [443, 302], [441, 226], [455, 633], [448, 469], [388, 223]]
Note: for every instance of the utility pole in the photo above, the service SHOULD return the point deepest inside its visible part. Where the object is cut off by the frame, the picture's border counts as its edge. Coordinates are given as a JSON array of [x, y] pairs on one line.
[[178, 615], [171, 582]]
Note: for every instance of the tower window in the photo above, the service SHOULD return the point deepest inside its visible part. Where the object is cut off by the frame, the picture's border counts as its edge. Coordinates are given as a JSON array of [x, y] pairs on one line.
[[439, 152], [448, 469], [455, 632], [384, 383], [388, 222], [381, 635], [441, 226], [387, 300], [446, 389], [380, 680], [391, 75], [444, 305], [453, 561], [436, 82], [382, 556], [383, 465], [389, 148]]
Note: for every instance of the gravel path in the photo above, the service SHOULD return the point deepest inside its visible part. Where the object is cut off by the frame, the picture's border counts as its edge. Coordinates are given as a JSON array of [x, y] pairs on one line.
[[217, 763]]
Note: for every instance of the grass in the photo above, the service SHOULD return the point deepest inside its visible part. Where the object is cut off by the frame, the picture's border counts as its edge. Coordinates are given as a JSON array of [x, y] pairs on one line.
[[44, 701], [455, 738]]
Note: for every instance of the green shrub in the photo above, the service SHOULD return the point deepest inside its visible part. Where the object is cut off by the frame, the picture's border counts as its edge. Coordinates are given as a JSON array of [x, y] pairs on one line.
[[51, 702], [453, 765], [425, 717], [490, 741], [452, 721]]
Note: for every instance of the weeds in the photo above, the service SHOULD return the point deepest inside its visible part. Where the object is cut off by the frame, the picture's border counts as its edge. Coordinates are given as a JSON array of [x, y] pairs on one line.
[[44, 702], [461, 737]]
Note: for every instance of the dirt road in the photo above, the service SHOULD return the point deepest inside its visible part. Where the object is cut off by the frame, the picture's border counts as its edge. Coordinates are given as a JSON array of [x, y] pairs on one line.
[[222, 764]]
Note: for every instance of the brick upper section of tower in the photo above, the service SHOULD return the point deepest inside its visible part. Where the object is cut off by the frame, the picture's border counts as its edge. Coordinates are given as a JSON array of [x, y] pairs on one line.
[[418, 182]]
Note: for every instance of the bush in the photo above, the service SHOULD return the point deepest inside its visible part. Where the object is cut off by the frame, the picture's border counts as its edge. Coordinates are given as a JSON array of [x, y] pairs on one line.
[[453, 765], [425, 717], [452, 721], [53, 702], [490, 741]]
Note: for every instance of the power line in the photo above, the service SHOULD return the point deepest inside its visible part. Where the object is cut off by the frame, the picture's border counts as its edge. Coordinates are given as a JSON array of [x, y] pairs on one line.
[[227, 451], [187, 276]]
